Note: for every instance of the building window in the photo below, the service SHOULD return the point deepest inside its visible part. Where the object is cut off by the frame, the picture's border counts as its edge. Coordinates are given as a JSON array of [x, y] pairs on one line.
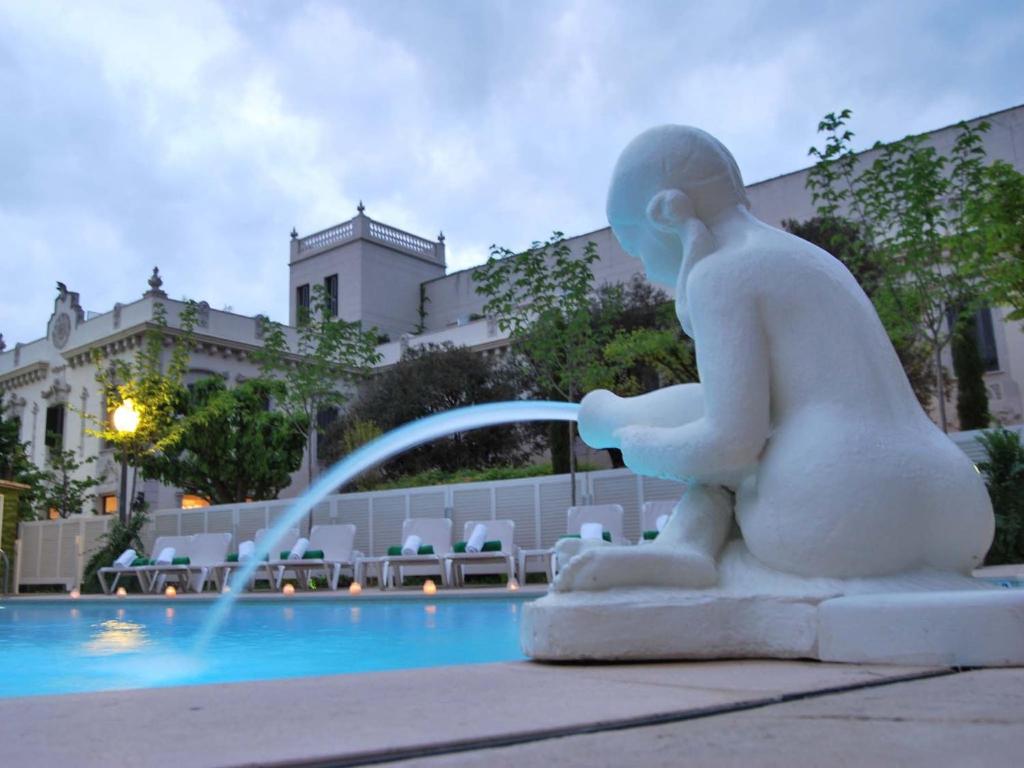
[[108, 504], [986, 340], [55, 428], [301, 302], [331, 291], [191, 501]]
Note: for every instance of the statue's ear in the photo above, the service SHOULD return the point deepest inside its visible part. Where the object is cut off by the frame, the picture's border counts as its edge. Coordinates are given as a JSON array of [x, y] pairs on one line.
[[669, 209]]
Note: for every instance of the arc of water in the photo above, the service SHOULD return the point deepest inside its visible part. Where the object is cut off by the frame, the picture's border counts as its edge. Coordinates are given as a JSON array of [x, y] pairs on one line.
[[375, 452]]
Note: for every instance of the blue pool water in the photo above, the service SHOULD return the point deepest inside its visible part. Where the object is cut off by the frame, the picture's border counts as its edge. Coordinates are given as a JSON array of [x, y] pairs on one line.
[[52, 648]]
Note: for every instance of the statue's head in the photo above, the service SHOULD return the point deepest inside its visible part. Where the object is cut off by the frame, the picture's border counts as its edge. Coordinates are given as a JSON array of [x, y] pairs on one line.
[[663, 178]]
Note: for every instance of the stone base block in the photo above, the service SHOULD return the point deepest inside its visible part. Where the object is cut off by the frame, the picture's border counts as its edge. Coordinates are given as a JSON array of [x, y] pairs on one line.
[[644, 624], [955, 628]]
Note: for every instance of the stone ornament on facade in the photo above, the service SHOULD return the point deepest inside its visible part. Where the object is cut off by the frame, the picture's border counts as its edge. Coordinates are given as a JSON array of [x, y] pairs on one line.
[[61, 330], [857, 521], [155, 286]]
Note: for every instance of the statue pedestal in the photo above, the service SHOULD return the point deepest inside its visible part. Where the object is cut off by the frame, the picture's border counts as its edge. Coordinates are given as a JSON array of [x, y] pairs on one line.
[[926, 618], [952, 628]]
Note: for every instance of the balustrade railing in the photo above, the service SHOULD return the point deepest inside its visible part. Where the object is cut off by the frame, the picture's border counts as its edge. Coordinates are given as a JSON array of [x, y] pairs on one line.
[[327, 237]]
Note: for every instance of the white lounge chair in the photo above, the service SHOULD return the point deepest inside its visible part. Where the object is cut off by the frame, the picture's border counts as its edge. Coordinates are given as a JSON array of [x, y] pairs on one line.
[[222, 571], [434, 532], [335, 541], [143, 573], [649, 514], [608, 515], [204, 551], [475, 563]]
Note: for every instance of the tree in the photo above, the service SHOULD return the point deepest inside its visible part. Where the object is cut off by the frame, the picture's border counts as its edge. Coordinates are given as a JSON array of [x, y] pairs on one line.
[[59, 488], [997, 214], [15, 463], [156, 394], [913, 206], [434, 379], [542, 299], [971, 395], [318, 369], [847, 241], [343, 437], [233, 447]]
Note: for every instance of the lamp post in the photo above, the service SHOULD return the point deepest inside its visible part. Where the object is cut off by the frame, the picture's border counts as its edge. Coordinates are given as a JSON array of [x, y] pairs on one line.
[[126, 421]]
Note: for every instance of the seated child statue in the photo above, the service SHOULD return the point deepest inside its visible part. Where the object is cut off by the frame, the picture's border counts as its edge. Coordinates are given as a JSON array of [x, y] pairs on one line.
[[803, 430]]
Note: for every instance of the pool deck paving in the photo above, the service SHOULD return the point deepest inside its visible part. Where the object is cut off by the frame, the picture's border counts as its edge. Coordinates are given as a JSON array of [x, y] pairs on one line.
[[522, 713]]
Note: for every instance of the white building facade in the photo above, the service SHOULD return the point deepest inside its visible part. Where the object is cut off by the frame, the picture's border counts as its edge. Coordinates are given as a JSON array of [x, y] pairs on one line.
[[394, 281]]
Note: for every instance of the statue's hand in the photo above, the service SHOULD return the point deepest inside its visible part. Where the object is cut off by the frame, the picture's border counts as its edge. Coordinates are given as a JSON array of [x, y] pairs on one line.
[[600, 416]]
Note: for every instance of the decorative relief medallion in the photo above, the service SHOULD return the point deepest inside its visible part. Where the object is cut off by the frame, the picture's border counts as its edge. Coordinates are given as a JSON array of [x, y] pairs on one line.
[[61, 330]]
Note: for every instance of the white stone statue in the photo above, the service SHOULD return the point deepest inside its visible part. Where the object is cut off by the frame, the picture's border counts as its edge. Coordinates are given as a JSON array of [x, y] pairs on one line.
[[812, 470], [804, 428]]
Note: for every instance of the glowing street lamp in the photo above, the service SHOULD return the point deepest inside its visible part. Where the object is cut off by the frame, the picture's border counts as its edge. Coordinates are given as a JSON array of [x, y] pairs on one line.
[[126, 421]]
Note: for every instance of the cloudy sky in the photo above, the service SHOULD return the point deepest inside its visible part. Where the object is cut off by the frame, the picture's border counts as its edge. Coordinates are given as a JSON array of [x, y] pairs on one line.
[[194, 135]]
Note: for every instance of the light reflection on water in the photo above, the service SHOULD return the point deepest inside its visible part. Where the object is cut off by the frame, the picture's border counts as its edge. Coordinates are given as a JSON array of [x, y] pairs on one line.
[[115, 636]]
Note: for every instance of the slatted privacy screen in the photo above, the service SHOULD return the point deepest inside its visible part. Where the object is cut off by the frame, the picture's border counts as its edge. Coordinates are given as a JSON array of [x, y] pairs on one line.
[[536, 505]]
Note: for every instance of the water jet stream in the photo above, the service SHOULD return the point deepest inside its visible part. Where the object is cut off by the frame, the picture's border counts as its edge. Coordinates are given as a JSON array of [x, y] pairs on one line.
[[370, 455]]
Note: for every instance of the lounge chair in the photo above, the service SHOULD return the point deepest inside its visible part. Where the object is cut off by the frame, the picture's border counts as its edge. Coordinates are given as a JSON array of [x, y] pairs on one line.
[[608, 515], [335, 541], [500, 561], [222, 571], [434, 532], [650, 512], [203, 551], [141, 572]]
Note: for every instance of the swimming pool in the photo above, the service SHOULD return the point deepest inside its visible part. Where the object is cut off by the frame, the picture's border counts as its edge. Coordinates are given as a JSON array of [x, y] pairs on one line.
[[51, 647]]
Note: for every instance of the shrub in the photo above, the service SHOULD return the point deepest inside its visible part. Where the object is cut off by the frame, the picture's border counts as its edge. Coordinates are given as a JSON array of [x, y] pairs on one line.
[[1004, 476]]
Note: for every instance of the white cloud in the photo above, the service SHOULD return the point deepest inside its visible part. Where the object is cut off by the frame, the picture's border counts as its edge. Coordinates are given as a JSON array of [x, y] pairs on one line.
[[195, 135]]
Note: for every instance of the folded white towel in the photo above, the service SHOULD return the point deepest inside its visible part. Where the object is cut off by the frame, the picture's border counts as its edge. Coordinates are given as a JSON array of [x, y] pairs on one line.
[[246, 550], [165, 556], [591, 531], [126, 559], [475, 542], [660, 523], [412, 545], [299, 549]]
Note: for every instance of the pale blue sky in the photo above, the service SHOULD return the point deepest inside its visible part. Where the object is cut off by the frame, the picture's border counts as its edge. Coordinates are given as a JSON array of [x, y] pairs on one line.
[[194, 135]]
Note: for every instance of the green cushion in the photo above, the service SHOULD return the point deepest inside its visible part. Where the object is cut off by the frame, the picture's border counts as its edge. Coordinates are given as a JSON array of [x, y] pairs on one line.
[[426, 549], [181, 561], [309, 554], [233, 557], [142, 561], [606, 536], [650, 535], [394, 551], [489, 546]]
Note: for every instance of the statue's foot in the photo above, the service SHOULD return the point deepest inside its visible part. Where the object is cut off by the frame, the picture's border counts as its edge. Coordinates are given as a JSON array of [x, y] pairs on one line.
[[648, 566]]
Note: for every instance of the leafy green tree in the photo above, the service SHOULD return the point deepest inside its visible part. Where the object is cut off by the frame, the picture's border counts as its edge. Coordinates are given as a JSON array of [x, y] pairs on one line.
[[15, 463], [319, 368], [542, 298], [971, 395], [434, 379], [913, 205], [1003, 470], [346, 435], [997, 214], [60, 486], [156, 391], [233, 447]]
